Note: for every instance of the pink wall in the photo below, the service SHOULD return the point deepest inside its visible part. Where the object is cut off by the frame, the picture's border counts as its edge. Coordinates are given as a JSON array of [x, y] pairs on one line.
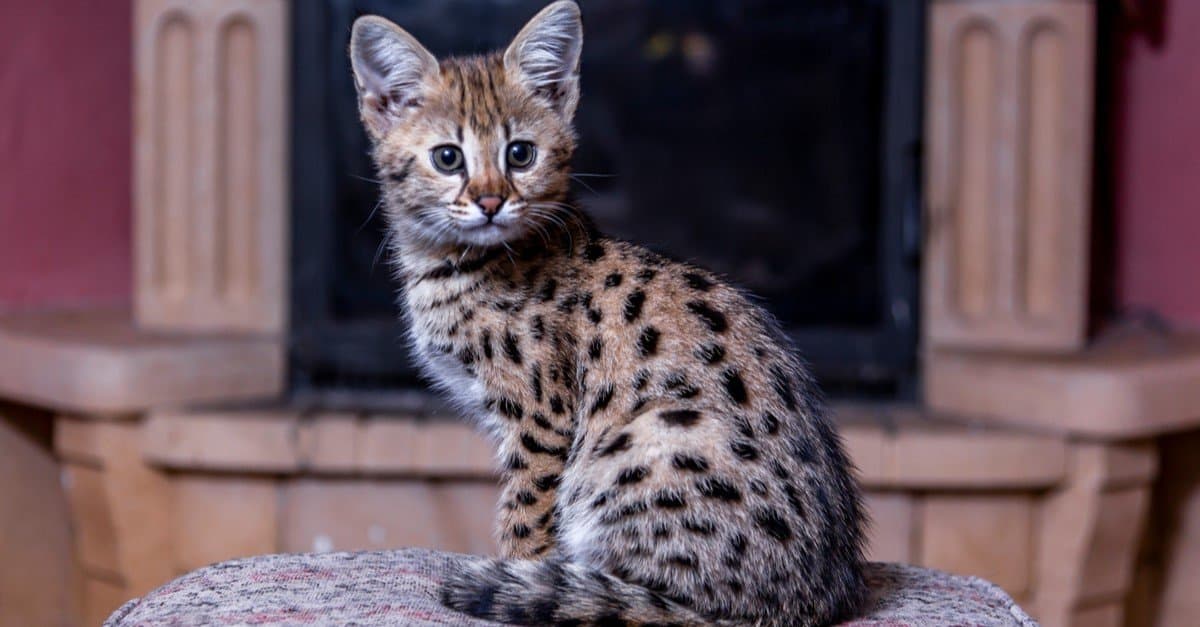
[[1157, 186], [64, 153]]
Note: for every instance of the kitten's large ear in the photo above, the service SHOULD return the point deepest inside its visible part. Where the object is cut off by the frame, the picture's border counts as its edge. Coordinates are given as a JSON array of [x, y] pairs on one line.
[[390, 71], [544, 56]]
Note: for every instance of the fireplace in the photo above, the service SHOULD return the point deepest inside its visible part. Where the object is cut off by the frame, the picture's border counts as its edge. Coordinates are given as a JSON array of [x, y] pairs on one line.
[[775, 142]]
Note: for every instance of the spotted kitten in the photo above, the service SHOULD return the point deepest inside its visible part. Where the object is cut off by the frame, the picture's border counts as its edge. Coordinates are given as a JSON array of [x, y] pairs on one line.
[[664, 459]]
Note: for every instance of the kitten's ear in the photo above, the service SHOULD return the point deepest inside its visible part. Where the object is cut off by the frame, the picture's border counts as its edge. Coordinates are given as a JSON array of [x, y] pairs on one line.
[[391, 69], [544, 56]]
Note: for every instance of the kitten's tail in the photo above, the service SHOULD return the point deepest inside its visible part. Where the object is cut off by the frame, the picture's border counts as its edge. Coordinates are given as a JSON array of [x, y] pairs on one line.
[[556, 592]]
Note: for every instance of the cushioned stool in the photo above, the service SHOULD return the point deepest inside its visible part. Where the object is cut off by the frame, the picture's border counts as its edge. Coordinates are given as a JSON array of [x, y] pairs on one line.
[[400, 588]]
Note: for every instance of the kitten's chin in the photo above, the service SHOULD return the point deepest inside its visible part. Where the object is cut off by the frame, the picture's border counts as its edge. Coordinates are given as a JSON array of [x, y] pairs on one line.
[[490, 234]]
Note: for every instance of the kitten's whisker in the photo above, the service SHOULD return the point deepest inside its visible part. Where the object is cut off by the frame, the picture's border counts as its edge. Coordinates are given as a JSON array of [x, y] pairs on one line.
[[584, 184], [370, 216]]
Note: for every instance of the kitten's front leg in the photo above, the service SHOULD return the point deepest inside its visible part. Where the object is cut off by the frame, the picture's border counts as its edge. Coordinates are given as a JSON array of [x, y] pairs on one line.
[[533, 466]]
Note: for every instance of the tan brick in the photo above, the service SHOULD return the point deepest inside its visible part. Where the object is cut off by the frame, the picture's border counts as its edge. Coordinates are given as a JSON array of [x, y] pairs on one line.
[[342, 514], [891, 532], [215, 518], [987, 536], [330, 443], [1109, 566], [92, 519], [102, 597], [962, 458]]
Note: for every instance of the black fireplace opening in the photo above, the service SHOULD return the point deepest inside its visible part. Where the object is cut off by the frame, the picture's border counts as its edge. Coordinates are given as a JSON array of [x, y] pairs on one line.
[[774, 141]]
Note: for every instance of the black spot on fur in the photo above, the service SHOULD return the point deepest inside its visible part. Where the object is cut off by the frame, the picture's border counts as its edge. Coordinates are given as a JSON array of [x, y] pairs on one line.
[[743, 426], [783, 386], [535, 382], [683, 560], [515, 462], [678, 385], [771, 423], [532, 445], [680, 417], [525, 497], [467, 356], [758, 487], [509, 408], [593, 251], [538, 328], [701, 527], [661, 530], [738, 543], [485, 342], [549, 288], [773, 524], [595, 348], [744, 450], [612, 280], [638, 404], [640, 379], [669, 499], [685, 461], [521, 531], [793, 498], [546, 482], [633, 305], [803, 449], [647, 342], [632, 509], [556, 405], [779, 470], [540, 420], [444, 271], [711, 353], [568, 302], [620, 443], [697, 281], [595, 316], [600, 501], [712, 318], [603, 398], [734, 386], [646, 274], [720, 489], [632, 475]]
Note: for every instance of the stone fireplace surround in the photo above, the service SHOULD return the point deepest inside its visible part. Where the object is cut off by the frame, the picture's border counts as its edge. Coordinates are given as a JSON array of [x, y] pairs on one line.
[[1031, 461]]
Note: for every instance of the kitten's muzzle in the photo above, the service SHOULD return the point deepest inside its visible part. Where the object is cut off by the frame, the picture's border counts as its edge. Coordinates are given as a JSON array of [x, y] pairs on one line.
[[490, 205]]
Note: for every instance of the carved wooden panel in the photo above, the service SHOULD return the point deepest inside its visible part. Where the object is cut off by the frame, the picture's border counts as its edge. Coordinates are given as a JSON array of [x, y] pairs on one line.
[[1009, 125], [211, 121]]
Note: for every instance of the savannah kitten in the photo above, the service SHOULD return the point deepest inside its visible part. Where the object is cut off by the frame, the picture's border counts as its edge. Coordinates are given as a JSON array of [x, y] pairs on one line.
[[664, 459]]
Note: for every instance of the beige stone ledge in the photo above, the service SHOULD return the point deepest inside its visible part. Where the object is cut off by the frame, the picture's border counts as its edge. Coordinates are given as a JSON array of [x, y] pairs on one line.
[[1133, 386], [911, 453], [97, 362]]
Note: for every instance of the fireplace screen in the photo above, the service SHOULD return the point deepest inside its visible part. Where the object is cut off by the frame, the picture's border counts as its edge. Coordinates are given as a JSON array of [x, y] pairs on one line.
[[773, 141]]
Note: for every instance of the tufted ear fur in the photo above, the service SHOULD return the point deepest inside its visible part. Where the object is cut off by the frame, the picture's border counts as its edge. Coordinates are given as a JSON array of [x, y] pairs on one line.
[[391, 70], [544, 56]]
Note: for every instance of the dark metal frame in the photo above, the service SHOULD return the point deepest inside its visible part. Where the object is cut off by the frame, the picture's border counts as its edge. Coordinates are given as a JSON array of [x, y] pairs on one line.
[[884, 356]]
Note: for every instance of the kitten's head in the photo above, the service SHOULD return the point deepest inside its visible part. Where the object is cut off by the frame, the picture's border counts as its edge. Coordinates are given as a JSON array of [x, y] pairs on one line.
[[471, 151]]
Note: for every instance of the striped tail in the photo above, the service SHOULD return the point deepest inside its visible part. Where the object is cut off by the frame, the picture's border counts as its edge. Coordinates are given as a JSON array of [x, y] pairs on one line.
[[557, 592]]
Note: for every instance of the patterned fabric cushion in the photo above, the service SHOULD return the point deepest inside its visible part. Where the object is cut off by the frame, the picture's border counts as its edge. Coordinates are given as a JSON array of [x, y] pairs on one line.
[[400, 588]]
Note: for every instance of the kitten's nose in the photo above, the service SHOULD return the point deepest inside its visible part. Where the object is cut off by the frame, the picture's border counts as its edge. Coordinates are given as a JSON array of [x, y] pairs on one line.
[[490, 205]]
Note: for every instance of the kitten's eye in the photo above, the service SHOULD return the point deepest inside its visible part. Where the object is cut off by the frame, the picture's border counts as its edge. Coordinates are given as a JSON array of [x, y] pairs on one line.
[[520, 154], [447, 158]]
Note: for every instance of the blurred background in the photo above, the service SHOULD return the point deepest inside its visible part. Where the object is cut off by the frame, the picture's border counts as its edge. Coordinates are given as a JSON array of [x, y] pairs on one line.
[[976, 218]]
